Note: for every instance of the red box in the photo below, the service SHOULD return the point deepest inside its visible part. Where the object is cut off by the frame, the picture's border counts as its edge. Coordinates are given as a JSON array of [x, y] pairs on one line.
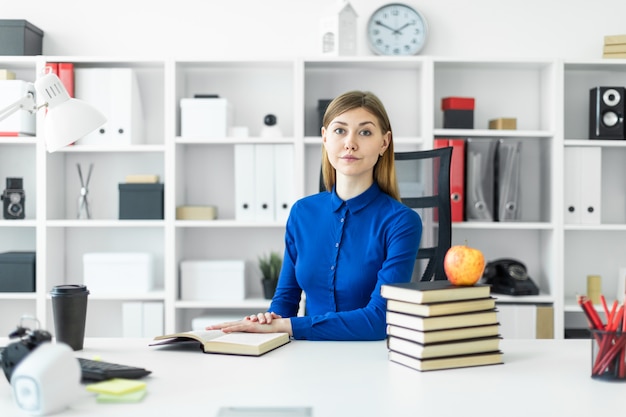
[[457, 103]]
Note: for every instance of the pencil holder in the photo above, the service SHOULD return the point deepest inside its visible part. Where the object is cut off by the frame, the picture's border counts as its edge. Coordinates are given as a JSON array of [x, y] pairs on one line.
[[607, 355]]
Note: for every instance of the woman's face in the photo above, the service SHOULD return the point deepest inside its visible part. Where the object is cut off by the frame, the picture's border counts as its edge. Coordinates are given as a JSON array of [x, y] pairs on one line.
[[354, 141]]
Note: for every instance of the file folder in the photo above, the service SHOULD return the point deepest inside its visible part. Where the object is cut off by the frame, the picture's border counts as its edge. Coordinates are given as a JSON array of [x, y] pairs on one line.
[[264, 183], [457, 176], [507, 187], [115, 92], [244, 182], [583, 181], [479, 179], [283, 181]]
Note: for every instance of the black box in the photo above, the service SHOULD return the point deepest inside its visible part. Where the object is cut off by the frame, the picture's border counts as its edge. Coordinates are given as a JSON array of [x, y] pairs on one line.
[[17, 272], [458, 119], [20, 37], [141, 201]]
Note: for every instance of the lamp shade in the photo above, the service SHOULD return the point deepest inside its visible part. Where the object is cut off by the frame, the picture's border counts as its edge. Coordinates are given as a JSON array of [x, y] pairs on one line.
[[67, 119]]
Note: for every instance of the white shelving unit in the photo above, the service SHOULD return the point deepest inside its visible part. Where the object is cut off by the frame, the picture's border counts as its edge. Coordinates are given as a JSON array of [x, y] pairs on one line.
[[549, 98]]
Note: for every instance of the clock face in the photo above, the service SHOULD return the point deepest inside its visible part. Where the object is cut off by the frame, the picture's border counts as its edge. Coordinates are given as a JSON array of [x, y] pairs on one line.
[[397, 29]]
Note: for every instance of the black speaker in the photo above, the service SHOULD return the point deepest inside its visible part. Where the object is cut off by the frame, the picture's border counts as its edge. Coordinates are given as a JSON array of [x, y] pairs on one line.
[[606, 112]]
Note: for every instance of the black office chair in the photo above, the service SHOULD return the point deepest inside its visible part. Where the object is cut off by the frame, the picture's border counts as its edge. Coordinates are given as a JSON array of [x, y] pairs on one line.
[[424, 178]]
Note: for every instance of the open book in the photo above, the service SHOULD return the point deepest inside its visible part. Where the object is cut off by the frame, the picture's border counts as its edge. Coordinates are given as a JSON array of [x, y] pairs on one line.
[[216, 341]]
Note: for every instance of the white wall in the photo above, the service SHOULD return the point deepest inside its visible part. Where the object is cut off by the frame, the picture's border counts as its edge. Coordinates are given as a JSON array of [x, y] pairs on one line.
[[570, 29]]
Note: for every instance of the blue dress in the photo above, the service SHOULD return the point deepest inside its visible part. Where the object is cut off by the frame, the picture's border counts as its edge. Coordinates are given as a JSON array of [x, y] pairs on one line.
[[339, 253]]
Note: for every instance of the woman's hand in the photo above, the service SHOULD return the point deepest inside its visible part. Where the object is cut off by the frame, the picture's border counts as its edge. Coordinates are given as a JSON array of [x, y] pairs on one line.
[[263, 318], [256, 323]]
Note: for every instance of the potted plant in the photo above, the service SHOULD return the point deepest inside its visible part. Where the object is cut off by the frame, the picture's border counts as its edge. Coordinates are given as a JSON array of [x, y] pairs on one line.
[[270, 269]]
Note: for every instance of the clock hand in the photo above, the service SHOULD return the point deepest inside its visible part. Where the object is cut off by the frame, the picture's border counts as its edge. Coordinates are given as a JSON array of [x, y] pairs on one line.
[[379, 23], [398, 31]]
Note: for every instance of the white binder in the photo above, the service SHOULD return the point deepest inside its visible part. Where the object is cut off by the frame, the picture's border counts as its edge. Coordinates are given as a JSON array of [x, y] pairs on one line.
[[115, 92], [583, 181], [244, 182], [264, 209], [283, 181], [132, 319], [153, 318], [590, 184]]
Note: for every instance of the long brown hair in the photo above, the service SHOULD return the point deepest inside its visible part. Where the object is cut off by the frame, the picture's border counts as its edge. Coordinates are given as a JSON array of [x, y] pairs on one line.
[[385, 169]]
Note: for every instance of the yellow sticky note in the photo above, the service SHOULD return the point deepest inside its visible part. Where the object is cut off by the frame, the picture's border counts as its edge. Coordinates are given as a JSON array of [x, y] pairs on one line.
[[116, 386], [131, 397]]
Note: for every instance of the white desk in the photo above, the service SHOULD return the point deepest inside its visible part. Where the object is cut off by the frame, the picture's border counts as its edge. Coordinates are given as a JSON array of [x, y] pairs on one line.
[[353, 379]]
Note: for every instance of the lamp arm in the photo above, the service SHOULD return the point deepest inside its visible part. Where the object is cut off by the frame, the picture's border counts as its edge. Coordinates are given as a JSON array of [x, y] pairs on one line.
[[25, 103]]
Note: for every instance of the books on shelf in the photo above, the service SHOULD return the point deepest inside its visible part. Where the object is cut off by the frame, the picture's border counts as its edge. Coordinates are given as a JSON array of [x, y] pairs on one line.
[[441, 309], [216, 341], [435, 336], [422, 292], [442, 349], [450, 362]]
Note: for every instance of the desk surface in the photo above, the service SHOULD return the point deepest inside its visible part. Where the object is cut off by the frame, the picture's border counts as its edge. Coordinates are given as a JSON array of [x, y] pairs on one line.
[[539, 378]]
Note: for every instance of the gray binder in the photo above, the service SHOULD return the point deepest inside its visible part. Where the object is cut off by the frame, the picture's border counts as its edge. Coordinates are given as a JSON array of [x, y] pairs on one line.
[[479, 179], [507, 187]]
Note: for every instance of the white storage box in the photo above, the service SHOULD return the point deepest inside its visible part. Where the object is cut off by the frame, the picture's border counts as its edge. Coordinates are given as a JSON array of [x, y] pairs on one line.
[[212, 280], [118, 273], [205, 117], [21, 122]]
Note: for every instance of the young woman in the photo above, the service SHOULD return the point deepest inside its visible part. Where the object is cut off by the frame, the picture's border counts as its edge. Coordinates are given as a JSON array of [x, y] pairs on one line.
[[343, 244]]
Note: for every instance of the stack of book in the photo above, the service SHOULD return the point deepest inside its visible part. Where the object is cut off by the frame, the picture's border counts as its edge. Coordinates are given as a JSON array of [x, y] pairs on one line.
[[614, 46], [436, 325]]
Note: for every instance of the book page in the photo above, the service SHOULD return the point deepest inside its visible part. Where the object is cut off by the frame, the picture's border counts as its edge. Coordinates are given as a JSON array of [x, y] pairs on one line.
[[246, 338]]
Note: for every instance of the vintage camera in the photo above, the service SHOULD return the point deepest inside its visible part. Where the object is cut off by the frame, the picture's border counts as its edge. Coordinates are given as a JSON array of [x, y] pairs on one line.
[[13, 199]]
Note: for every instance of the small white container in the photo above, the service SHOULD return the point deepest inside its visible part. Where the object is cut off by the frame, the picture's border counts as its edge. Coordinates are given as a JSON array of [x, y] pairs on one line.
[[112, 273], [205, 117], [212, 280]]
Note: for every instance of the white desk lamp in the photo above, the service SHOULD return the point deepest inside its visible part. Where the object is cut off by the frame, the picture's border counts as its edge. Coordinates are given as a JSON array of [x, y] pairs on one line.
[[67, 119]]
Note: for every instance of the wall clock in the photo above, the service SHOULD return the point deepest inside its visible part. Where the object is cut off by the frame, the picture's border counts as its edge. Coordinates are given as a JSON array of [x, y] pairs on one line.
[[397, 29]]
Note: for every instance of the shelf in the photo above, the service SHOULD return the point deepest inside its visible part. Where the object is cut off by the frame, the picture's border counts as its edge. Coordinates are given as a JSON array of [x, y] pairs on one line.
[[112, 149], [502, 225], [524, 299], [104, 223], [18, 295], [18, 223], [493, 133], [232, 141], [596, 227], [549, 99], [226, 224], [248, 304], [601, 143]]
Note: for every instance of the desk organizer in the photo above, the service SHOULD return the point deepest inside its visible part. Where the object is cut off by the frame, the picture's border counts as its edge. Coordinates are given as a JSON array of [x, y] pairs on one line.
[[608, 350]]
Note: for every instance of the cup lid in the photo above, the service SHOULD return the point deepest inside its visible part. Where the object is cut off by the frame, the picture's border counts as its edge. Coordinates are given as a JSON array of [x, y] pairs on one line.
[[69, 289]]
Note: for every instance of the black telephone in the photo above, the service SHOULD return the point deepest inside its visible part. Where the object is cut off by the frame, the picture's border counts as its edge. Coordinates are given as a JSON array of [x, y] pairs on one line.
[[508, 276]]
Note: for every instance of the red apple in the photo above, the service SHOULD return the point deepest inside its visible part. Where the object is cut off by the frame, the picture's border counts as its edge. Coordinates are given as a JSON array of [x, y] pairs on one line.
[[464, 265]]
